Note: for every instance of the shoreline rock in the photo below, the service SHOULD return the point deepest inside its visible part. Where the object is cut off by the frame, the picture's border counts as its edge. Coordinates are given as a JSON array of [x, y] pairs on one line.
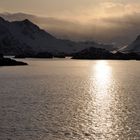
[[11, 62]]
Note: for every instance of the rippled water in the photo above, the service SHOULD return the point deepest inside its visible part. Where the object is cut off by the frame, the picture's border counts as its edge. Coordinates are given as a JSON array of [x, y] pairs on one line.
[[70, 100]]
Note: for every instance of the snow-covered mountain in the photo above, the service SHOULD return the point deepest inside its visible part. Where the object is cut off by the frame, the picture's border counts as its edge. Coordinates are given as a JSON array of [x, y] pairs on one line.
[[24, 36], [133, 47]]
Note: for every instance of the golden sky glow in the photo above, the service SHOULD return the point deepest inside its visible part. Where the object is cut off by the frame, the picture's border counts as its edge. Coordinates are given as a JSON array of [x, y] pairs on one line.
[[76, 9]]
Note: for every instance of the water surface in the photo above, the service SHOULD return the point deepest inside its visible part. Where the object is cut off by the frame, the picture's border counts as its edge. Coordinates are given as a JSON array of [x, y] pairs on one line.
[[70, 100]]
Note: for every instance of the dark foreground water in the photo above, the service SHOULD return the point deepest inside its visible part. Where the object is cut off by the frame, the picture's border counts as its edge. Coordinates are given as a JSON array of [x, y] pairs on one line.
[[70, 100]]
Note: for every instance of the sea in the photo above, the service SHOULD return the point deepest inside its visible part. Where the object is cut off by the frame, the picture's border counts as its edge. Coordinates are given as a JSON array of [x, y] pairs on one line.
[[65, 99]]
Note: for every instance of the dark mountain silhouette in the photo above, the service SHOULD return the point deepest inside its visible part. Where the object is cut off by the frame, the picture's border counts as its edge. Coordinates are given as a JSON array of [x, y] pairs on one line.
[[134, 47], [98, 53], [24, 37]]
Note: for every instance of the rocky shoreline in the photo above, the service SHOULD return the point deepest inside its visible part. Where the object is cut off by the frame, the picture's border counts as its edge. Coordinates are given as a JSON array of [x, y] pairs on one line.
[[10, 62]]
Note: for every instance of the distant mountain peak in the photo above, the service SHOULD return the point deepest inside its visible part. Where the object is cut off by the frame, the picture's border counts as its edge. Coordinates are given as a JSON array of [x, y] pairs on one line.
[[134, 46], [26, 26], [26, 21], [2, 19], [138, 38]]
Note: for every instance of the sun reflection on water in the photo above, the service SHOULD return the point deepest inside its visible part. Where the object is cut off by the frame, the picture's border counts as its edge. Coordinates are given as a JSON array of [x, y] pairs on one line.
[[101, 84], [102, 74]]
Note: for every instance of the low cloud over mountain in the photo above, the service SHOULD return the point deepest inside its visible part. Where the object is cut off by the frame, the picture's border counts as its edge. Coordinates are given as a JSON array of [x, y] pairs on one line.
[[117, 30], [27, 38]]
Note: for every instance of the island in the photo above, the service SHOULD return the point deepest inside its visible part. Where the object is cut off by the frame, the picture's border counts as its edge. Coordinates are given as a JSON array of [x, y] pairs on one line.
[[10, 62], [99, 53]]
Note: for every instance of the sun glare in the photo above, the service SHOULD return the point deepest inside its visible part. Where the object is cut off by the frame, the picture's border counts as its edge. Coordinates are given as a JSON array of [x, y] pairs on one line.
[[100, 90], [102, 75]]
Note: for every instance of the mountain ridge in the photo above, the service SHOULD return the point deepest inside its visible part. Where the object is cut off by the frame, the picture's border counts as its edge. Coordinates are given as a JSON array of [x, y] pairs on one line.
[[27, 37], [134, 47]]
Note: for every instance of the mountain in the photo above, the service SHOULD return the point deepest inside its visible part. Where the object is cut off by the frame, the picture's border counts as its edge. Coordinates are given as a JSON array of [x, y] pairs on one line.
[[133, 47], [98, 53], [25, 37], [93, 53]]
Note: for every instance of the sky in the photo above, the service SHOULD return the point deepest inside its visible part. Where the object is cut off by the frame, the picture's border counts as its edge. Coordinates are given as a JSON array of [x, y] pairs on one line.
[[82, 19], [78, 9]]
